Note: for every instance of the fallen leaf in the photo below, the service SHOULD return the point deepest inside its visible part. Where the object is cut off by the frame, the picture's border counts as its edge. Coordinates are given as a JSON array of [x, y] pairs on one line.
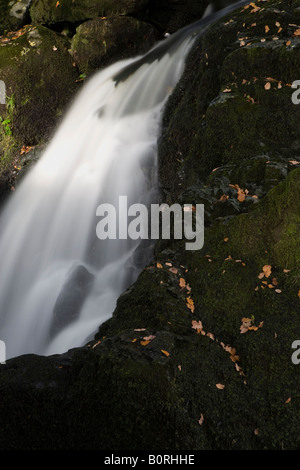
[[220, 386], [166, 353], [190, 304], [267, 270], [158, 265], [201, 419], [288, 400], [144, 343], [267, 29], [173, 270], [197, 325], [149, 338], [288, 43], [267, 86]]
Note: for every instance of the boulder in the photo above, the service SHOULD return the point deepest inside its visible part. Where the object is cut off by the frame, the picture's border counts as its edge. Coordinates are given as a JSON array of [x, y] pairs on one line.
[[102, 41], [13, 15], [40, 80], [69, 11]]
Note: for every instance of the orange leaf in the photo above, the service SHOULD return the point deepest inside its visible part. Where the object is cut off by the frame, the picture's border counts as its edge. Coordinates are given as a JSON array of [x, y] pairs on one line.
[[166, 353], [144, 343]]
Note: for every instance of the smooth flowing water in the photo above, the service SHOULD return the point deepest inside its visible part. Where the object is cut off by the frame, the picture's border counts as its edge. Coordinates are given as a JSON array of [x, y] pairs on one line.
[[58, 282]]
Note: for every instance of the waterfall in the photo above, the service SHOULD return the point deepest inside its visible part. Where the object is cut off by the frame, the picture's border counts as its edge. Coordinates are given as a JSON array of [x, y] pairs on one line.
[[58, 281]]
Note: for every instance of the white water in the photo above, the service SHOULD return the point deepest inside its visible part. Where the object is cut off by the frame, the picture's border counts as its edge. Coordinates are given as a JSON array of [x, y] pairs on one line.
[[107, 139]]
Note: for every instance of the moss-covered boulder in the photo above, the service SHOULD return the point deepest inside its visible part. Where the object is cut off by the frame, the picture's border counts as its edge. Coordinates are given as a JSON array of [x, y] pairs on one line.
[[13, 15], [40, 78], [101, 41], [70, 11]]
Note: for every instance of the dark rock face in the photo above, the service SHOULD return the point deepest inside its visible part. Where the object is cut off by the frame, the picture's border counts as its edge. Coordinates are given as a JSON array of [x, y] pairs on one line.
[[198, 353], [71, 298]]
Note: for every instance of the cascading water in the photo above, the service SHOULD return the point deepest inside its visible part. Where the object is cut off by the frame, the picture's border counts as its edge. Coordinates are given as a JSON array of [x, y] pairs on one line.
[[49, 251]]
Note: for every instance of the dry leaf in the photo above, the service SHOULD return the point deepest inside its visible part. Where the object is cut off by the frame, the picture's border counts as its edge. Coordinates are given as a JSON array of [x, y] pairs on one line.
[[158, 265], [201, 419], [149, 338], [197, 325], [267, 29], [220, 386], [144, 343], [267, 86], [267, 270], [166, 353], [173, 270]]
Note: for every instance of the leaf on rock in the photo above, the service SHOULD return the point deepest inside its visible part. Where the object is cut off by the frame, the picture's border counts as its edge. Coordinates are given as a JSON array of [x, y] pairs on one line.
[[166, 353], [220, 386]]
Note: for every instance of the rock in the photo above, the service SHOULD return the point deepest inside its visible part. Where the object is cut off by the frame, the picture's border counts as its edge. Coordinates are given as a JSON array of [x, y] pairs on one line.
[[225, 114], [52, 12], [71, 298], [13, 15], [40, 78], [102, 41], [170, 15]]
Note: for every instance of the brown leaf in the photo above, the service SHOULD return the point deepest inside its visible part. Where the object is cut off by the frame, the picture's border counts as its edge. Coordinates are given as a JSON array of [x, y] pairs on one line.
[[267, 86], [201, 419], [220, 386]]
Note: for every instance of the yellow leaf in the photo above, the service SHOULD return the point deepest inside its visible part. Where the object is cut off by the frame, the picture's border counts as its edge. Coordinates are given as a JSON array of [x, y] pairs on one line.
[[158, 265]]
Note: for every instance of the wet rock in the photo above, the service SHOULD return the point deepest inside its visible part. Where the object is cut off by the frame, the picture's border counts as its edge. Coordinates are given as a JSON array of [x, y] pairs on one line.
[[102, 41], [67, 11], [13, 15], [71, 298], [40, 78]]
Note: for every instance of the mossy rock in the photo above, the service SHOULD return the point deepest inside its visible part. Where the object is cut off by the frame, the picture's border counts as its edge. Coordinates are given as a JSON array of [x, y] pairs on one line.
[[102, 41], [227, 113], [13, 15], [39, 74], [67, 11]]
